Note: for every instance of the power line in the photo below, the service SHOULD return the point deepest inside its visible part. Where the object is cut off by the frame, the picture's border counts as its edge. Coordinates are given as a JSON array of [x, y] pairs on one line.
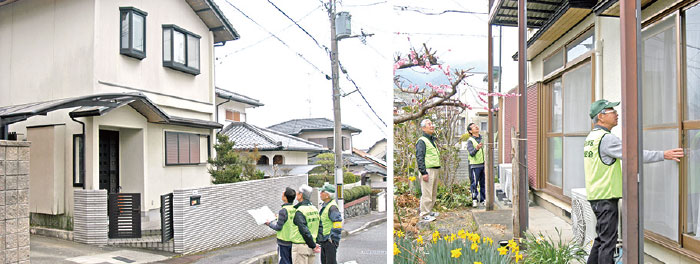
[[363, 5], [423, 11], [280, 40], [299, 26], [441, 34], [360, 92], [268, 37]]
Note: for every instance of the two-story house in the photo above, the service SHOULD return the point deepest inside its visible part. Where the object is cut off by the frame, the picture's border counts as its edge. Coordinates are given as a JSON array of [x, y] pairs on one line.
[[318, 130], [114, 95]]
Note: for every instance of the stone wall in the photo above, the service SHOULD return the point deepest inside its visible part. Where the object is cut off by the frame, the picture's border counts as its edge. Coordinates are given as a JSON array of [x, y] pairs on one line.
[[90, 220], [357, 207], [14, 202], [221, 219]]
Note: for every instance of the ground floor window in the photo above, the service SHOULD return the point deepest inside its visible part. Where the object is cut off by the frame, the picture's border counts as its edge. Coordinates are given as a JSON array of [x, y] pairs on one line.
[[185, 148]]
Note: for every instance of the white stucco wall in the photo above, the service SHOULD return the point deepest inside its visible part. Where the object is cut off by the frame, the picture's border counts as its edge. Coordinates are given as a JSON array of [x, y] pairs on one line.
[[46, 48], [231, 105], [149, 74], [290, 157], [326, 134]]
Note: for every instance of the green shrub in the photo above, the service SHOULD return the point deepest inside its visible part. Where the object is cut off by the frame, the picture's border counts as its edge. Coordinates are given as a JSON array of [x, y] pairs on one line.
[[462, 248], [356, 192], [454, 196], [317, 180], [544, 250]]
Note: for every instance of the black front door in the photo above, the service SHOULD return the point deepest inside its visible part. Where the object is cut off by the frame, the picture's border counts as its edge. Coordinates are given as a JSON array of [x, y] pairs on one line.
[[109, 161]]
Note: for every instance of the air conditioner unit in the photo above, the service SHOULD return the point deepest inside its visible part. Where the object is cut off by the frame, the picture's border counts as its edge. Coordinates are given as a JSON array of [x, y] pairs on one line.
[[505, 174], [583, 219]]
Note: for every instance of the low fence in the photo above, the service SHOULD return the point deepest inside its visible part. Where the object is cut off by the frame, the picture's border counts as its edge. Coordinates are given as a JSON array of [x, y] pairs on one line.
[[215, 216], [14, 198], [357, 207]]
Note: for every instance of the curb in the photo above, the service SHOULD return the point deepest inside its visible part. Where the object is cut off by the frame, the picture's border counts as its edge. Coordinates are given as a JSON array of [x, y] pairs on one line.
[[262, 257]]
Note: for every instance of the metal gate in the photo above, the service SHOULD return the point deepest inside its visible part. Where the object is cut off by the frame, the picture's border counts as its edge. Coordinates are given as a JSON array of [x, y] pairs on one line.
[[166, 217], [124, 210]]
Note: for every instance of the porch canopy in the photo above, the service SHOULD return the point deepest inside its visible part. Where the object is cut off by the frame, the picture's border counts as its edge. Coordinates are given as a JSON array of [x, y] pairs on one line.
[[97, 105], [552, 18]]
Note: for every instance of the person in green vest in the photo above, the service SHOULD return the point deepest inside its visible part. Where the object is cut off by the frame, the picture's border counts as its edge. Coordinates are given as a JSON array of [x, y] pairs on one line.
[[476, 165], [307, 221], [428, 159], [331, 225], [284, 226], [602, 152]]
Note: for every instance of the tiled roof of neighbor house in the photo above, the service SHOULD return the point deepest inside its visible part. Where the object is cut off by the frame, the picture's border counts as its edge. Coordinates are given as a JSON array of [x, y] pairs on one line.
[[248, 137], [100, 104], [226, 94], [208, 12], [368, 157], [371, 168], [297, 126]]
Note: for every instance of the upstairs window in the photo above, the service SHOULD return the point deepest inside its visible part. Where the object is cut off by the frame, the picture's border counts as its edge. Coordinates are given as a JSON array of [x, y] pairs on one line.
[[132, 37], [232, 115], [180, 49]]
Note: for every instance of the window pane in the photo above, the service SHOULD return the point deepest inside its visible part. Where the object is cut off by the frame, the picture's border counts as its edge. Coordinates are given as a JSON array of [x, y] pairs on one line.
[[170, 148], [659, 74], [577, 99], [77, 160], [194, 148], [179, 47], [166, 44], [124, 36], [192, 52], [183, 148], [138, 34], [661, 186], [556, 106], [554, 175], [582, 45], [692, 153], [554, 62], [573, 158], [692, 49]]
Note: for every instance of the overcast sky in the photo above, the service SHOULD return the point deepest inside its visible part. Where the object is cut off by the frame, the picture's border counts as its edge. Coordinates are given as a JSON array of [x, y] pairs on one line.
[[260, 66]]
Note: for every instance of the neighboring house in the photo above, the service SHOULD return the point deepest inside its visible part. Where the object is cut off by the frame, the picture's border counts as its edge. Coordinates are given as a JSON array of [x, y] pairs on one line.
[[317, 130], [280, 154], [374, 172], [114, 95], [573, 59], [231, 107], [378, 149]]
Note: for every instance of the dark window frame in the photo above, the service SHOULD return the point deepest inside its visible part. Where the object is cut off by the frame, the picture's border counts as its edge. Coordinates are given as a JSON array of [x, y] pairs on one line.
[[176, 65], [130, 50], [199, 136], [81, 155]]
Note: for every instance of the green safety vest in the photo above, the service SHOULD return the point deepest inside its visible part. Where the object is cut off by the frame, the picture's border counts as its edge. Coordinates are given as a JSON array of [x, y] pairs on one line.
[[326, 221], [432, 154], [602, 181], [312, 222], [478, 158], [286, 233]]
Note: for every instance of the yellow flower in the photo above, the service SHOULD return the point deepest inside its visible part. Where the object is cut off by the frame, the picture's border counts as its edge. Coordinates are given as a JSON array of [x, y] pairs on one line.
[[396, 249], [412, 178], [456, 252], [502, 251], [475, 238], [475, 247], [399, 233], [489, 240], [453, 237], [420, 239], [478, 262], [446, 238], [515, 248], [436, 236], [518, 257], [539, 240]]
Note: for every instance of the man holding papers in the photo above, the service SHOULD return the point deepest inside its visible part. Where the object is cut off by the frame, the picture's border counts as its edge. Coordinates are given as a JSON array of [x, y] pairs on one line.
[[285, 227]]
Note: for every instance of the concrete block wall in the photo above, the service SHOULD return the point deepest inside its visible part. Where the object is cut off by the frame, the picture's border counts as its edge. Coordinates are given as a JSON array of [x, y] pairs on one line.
[[14, 202], [357, 207], [90, 220], [221, 218]]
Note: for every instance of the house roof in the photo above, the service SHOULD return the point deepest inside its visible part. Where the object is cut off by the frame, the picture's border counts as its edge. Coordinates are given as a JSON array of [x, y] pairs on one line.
[[208, 12], [248, 137], [98, 105], [285, 170], [297, 126], [215, 20], [369, 157], [226, 94]]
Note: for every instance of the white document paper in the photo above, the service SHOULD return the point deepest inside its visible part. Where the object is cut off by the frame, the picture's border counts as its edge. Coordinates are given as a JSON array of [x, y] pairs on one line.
[[262, 215]]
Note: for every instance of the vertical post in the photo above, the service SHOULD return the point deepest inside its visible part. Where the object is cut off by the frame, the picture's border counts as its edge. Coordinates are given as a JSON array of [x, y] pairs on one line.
[[489, 144], [337, 129], [515, 183], [522, 120], [632, 232]]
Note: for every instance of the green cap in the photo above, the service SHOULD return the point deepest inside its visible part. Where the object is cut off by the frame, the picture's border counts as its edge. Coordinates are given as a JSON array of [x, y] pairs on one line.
[[599, 105], [327, 188]]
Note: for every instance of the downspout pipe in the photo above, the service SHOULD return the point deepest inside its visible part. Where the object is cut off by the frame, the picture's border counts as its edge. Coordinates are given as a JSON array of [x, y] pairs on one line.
[[598, 58], [217, 111], [3, 130], [82, 153]]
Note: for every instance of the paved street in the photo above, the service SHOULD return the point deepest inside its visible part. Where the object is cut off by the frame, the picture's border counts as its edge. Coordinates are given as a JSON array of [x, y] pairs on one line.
[[364, 247], [53, 250]]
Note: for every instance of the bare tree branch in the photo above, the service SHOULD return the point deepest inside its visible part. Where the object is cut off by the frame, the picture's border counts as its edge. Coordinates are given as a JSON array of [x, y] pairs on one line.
[[435, 99]]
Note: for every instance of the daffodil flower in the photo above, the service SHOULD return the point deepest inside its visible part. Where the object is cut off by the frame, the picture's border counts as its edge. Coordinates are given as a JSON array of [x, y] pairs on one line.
[[475, 247], [518, 257], [396, 249], [420, 239], [456, 252], [502, 251], [412, 178], [399, 233]]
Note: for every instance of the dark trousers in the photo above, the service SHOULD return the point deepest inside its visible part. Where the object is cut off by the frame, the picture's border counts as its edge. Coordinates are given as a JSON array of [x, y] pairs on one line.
[[606, 212], [328, 251], [285, 254], [476, 176]]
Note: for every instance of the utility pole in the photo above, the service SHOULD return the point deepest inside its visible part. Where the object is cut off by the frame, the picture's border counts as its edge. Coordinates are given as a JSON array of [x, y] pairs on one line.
[[521, 202], [337, 130], [490, 188]]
